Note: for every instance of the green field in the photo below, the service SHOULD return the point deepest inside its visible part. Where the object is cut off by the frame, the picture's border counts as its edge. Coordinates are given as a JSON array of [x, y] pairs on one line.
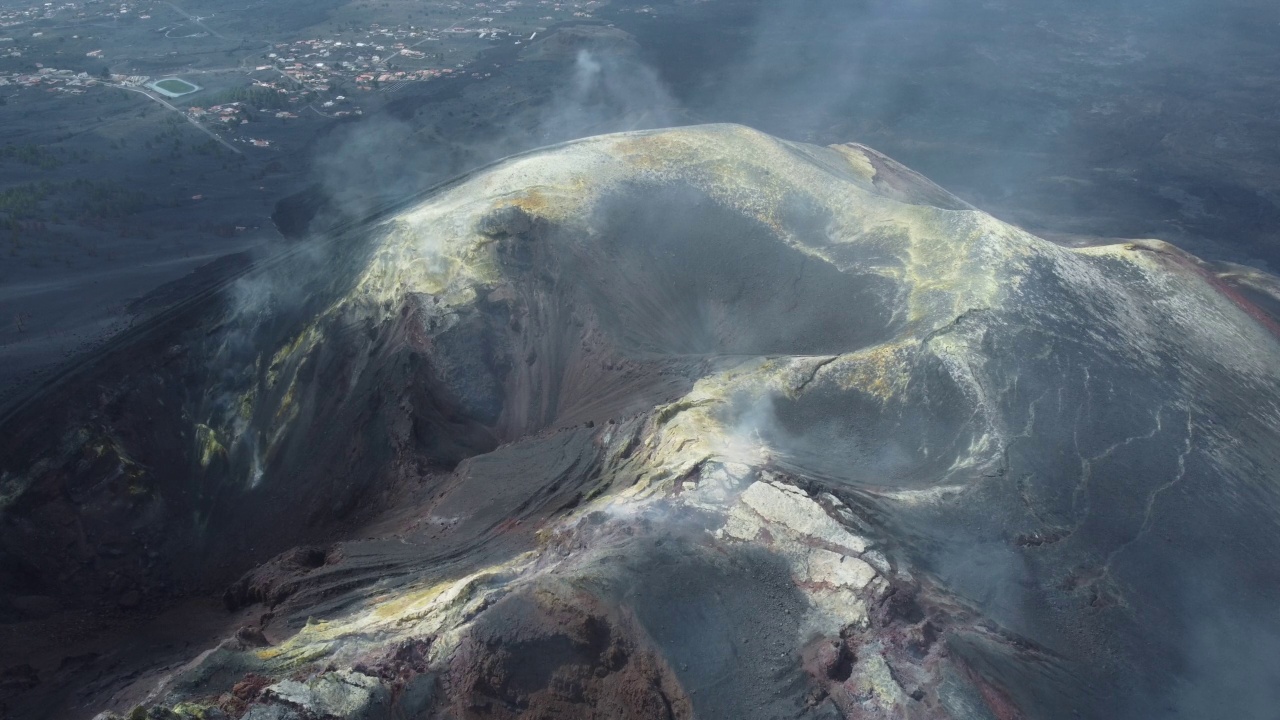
[[175, 87]]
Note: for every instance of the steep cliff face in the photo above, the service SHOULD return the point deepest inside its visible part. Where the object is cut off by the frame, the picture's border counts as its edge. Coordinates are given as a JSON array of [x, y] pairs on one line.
[[688, 423]]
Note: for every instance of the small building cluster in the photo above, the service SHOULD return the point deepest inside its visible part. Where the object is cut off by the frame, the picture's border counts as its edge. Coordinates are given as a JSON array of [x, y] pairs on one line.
[[227, 113], [52, 80]]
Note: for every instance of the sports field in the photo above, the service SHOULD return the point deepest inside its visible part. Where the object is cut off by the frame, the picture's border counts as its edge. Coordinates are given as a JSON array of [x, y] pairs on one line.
[[174, 87]]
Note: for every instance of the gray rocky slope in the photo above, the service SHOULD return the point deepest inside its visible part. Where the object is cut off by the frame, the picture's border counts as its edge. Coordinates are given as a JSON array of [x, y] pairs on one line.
[[684, 423]]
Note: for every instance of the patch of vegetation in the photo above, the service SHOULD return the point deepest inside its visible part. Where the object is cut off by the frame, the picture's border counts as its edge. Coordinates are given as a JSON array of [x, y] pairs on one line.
[[24, 201], [79, 199], [31, 154], [209, 148]]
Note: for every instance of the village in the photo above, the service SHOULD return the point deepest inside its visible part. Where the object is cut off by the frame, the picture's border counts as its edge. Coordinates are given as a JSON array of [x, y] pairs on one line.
[[51, 79], [40, 11], [63, 48]]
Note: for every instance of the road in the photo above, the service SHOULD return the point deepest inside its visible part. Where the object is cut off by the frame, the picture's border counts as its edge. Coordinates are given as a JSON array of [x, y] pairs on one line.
[[202, 128], [197, 21]]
